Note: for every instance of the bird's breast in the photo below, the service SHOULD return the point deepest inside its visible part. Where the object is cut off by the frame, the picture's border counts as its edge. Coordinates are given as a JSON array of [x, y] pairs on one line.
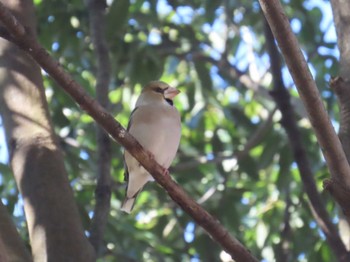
[[158, 129]]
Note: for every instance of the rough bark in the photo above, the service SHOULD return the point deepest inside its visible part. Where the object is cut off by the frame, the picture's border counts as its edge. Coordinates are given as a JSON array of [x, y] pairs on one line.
[[12, 248], [55, 229], [3, 252], [341, 14], [341, 87]]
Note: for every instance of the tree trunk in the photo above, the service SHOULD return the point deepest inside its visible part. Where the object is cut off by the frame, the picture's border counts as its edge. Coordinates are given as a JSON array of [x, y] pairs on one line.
[[12, 248], [55, 229]]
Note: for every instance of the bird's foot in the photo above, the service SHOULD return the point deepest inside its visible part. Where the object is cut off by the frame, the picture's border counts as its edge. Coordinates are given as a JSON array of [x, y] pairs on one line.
[[165, 171], [151, 155]]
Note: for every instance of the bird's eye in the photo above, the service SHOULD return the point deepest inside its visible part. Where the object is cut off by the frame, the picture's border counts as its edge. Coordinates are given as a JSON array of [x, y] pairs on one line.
[[159, 90]]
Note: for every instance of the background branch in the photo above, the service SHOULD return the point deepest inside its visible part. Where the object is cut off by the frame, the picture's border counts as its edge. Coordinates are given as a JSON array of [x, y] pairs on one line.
[[103, 189], [101, 116]]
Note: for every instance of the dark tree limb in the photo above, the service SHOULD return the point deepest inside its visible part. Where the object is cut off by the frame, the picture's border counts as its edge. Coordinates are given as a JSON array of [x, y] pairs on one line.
[[325, 133], [282, 98], [104, 148], [101, 116]]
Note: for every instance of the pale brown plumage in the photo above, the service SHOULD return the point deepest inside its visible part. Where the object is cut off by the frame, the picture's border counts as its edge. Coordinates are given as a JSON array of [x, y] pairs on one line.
[[156, 124]]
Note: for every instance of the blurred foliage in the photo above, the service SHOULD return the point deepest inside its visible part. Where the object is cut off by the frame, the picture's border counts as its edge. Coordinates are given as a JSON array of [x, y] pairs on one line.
[[214, 52]]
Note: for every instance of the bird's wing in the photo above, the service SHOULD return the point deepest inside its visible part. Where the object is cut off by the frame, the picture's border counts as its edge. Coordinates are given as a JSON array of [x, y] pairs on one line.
[[126, 171]]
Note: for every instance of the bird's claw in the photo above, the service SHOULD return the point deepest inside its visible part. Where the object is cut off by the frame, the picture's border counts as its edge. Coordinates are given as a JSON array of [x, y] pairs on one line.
[[165, 171], [151, 155]]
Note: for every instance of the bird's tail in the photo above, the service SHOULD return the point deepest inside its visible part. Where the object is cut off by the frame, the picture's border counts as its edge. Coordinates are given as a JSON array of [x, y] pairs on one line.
[[128, 204]]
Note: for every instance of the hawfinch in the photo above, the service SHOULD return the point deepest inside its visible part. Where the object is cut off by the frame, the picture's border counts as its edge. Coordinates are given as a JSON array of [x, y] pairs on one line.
[[156, 124]]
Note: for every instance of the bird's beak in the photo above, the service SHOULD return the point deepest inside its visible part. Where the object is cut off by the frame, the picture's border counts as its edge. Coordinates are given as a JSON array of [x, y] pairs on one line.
[[171, 92]]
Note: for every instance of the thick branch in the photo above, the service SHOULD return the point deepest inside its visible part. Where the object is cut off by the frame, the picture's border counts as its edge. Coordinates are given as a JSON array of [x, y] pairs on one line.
[[282, 98], [101, 116], [103, 189], [326, 136]]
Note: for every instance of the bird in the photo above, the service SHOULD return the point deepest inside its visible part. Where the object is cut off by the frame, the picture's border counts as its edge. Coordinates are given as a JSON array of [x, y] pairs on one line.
[[156, 124]]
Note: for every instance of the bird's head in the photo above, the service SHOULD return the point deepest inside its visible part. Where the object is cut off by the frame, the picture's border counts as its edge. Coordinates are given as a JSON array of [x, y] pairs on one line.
[[157, 92]]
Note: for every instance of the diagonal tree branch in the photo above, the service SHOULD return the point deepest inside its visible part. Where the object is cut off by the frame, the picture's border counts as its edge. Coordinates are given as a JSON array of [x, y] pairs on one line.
[[282, 98], [339, 184], [103, 190], [101, 116]]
